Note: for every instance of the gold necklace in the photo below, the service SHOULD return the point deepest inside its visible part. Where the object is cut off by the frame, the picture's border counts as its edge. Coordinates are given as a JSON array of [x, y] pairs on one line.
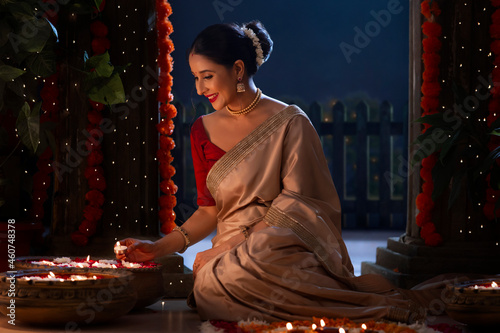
[[248, 108]]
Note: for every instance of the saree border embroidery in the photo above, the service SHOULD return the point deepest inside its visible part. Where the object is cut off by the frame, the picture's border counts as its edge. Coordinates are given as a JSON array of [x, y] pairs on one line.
[[275, 217], [233, 157]]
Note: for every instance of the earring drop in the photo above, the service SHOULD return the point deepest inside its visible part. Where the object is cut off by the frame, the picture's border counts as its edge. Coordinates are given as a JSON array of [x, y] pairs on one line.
[[240, 86]]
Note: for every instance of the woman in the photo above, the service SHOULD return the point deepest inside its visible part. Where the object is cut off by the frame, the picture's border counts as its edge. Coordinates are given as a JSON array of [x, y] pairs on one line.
[[264, 185]]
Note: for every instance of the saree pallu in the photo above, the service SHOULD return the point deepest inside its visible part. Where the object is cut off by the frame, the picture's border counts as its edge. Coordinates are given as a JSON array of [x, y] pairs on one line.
[[298, 267]]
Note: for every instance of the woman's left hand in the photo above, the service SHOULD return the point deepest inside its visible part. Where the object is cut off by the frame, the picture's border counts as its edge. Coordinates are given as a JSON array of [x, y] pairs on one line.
[[202, 258]]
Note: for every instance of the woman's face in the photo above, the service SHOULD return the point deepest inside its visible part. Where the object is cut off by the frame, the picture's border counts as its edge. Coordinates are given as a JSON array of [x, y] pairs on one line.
[[214, 81]]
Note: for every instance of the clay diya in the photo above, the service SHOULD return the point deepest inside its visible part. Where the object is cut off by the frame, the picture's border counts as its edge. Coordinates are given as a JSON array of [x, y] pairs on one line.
[[474, 302], [147, 278], [68, 296]]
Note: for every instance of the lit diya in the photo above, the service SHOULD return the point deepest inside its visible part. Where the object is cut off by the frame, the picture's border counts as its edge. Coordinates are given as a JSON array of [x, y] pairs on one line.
[[326, 329], [147, 276], [474, 302], [66, 296]]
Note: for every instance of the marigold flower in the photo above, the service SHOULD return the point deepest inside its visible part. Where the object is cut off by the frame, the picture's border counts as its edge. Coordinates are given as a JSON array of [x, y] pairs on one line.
[[431, 44], [95, 198], [433, 239], [431, 29], [98, 29], [429, 103]]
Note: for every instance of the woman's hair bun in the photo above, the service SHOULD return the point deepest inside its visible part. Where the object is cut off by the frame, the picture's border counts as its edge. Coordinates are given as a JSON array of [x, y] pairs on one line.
[[265, 40], [224, 43]]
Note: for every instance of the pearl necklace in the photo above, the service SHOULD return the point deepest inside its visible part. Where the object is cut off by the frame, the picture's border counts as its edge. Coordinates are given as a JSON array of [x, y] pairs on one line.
[[248, 108]]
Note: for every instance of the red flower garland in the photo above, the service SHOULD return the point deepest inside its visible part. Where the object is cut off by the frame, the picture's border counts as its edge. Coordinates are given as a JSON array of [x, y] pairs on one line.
[[165, 127], [494, 108], [430, 104], [94, 173]]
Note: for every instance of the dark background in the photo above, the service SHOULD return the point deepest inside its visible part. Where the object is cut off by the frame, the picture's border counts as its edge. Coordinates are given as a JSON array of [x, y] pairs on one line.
[[307, 63]]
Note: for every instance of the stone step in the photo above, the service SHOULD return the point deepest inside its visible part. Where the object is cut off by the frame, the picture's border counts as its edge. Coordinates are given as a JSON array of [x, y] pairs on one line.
[[402, 280], [436, 262], [450, 249], [178, 285], [172, 263]]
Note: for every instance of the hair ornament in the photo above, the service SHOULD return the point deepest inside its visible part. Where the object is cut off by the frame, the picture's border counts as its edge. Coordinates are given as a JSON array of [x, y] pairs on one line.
[[256, 43]]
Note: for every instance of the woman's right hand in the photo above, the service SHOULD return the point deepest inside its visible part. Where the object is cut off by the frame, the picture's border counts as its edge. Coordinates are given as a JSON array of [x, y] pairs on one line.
[[137, 250]]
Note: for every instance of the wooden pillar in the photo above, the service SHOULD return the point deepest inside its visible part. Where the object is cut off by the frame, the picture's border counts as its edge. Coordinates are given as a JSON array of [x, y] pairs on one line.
[[130, 166], [471, 243]]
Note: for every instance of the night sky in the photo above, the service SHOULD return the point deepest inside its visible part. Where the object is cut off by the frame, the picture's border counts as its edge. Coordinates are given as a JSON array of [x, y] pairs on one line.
[[307, 63]]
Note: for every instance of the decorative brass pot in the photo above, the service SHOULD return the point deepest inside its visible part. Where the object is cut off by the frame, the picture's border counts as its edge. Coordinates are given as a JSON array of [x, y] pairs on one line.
[[147, 281], [477, 307], [66, 302]]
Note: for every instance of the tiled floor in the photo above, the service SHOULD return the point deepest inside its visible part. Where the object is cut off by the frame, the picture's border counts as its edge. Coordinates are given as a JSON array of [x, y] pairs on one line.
[[361, 245]]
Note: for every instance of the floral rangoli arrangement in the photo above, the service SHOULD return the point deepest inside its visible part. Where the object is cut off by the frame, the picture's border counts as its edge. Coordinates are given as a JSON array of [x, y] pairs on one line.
[[322, 325]]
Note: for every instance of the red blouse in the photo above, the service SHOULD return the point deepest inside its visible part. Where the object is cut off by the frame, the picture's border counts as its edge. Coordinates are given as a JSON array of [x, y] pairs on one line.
[[205, 154]]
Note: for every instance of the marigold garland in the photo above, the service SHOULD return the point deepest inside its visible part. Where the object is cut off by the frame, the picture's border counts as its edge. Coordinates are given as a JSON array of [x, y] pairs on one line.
[[429, 104], [167, 111], [489, 209], [94, 173]]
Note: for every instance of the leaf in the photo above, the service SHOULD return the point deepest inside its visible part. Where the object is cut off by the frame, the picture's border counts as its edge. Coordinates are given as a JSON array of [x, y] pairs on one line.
[[43, 63], [98, 4], [496, 132], [9, 73], [35, 34], [5, 29], [20, 10], [101, 64], [16, 86], [28, 126], [109, 92]]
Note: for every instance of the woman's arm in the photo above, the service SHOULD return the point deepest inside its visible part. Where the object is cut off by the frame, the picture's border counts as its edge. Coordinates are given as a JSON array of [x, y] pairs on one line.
[[198, 226], [203, 257], [201, 224]]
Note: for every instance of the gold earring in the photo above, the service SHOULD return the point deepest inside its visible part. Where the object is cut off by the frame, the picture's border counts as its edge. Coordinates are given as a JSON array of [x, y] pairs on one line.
[[240, 86]]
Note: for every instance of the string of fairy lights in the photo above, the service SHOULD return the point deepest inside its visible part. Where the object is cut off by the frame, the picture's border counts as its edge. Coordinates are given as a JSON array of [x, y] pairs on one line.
[[479, 50]]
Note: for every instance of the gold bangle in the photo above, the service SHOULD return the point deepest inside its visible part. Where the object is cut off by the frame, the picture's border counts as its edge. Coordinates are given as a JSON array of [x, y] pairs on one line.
[[185, 235], [244, 230]]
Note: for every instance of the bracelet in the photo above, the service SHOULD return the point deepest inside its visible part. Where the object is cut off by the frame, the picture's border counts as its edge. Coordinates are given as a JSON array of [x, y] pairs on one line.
[[185, 235], [244, 230]]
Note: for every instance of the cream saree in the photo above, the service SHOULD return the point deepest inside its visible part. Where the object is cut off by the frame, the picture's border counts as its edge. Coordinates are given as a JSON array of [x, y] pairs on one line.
[[299, 266]]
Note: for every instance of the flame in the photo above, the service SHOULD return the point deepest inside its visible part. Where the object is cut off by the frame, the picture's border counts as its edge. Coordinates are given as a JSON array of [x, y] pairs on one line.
[[363, 326], [494, 284], [476, 287], [94, 277], [314, 326], [322, 323], [289, 326], [51, 274], [88, 257], [117, 244], [341, 330]]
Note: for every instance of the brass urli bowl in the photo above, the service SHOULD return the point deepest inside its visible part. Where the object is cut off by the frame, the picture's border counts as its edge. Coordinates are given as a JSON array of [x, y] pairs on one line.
[[69, 303], [147, 281], [476, 307]]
